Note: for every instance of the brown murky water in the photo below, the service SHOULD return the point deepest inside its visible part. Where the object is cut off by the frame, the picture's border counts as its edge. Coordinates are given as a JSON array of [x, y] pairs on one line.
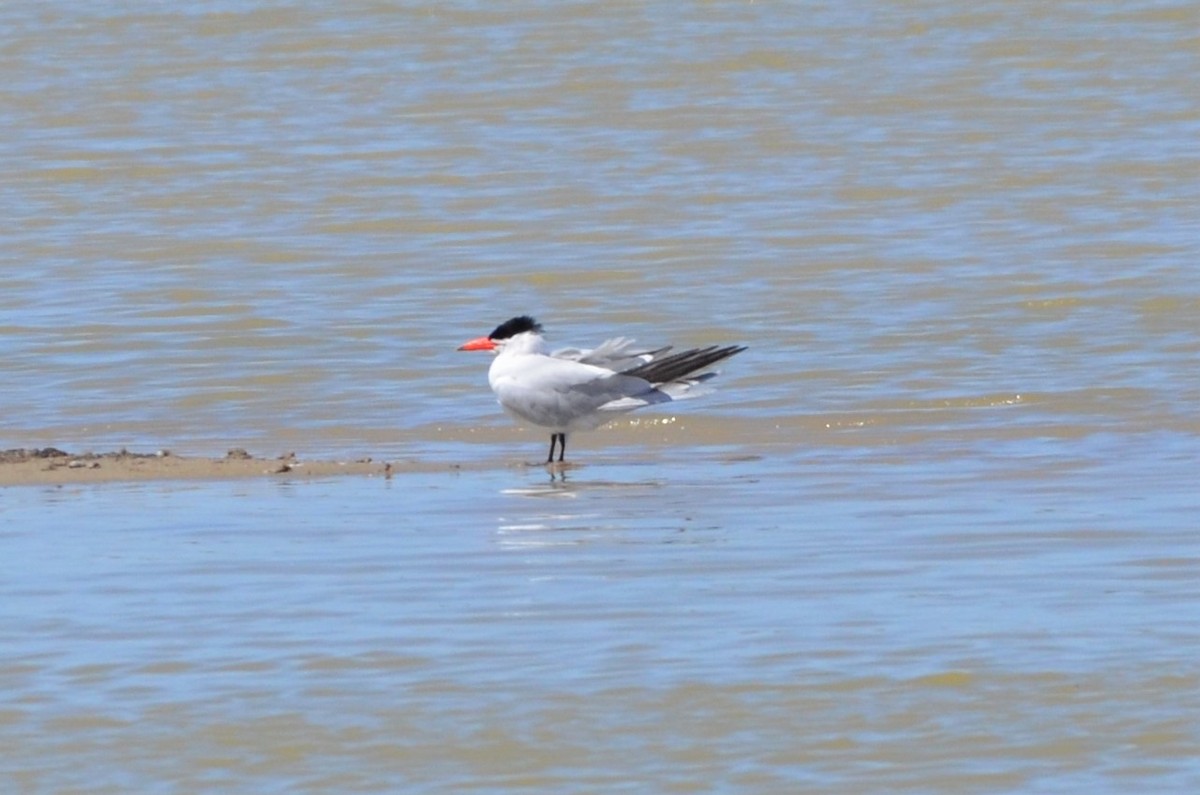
[[936, 532]]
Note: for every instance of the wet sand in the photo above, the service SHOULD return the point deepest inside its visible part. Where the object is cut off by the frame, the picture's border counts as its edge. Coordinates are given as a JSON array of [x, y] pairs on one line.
[[53, 466]]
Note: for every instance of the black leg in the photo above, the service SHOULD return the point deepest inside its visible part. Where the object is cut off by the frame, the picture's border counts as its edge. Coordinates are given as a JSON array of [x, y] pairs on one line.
[[559, 440]]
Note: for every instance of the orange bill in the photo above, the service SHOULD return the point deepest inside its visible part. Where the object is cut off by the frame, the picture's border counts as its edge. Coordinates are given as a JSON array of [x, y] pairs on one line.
[[478, 344]]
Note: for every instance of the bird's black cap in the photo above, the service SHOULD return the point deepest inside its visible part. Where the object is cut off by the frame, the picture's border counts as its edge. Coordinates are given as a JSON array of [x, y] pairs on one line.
[[513, 327]]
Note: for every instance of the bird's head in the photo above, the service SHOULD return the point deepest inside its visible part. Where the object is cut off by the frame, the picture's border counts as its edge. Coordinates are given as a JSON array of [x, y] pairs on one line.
[[508, 331]]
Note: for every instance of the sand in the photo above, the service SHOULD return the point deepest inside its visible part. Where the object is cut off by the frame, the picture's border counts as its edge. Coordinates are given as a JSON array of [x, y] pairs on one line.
[[56, 467]]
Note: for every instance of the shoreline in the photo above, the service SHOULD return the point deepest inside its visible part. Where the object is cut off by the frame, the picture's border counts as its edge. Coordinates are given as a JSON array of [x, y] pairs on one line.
[[52, 466]]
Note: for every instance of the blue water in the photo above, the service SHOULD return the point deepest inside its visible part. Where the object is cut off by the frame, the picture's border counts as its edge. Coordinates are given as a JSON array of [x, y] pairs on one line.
[[364, 620], [935, 532]]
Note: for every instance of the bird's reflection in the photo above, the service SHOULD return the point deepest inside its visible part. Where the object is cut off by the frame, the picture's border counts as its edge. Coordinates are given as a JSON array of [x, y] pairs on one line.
[[592, 514]]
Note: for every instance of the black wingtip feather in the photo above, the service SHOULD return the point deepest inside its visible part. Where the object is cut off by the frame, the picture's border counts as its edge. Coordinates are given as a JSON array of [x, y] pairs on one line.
[[682, 364]]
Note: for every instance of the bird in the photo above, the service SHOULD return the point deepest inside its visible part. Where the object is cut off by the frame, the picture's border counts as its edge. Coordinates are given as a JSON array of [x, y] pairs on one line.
[[578, 389]]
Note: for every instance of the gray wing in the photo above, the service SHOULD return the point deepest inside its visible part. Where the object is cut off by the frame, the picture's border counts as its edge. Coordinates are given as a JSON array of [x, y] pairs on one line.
[[616, 354]]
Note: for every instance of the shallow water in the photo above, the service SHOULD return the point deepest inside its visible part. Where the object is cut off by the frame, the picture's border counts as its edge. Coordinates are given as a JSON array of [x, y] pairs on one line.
[[697, 625], [935, 532]]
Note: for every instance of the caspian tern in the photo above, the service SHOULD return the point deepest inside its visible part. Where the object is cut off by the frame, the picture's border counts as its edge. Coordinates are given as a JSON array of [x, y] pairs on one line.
[[575, 389]]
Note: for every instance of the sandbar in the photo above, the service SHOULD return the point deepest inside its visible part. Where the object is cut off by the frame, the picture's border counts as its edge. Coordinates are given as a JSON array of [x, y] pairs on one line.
[[52, 466]]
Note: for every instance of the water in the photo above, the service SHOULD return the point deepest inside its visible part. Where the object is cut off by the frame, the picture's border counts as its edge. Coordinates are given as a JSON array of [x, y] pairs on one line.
[[631, 627], [934, 533]]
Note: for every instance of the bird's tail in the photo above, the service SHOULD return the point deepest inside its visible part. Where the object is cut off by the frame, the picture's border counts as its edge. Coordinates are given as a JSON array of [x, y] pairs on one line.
[[679, 376], [685, 388]]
